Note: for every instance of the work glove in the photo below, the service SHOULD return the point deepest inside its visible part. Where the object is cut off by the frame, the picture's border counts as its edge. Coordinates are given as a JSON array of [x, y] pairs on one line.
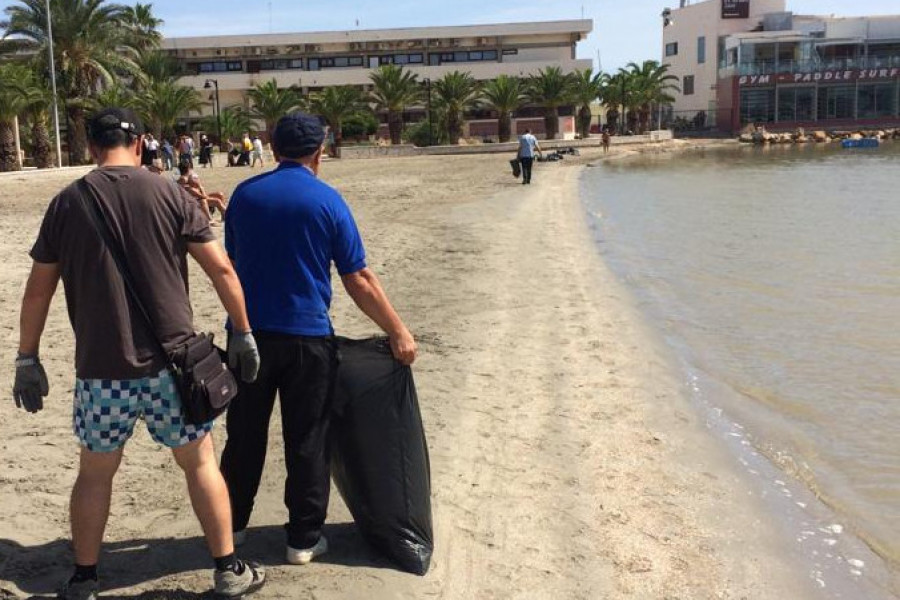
[[242, 352], [31, 383]]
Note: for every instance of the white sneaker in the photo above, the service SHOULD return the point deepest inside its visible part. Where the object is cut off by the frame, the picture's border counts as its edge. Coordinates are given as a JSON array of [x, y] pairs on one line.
[[305, 555], [239, 537]]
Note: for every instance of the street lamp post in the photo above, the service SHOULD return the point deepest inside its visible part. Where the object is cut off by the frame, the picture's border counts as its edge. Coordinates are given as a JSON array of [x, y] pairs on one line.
[[53, 86], [217, 108], [428, 91]]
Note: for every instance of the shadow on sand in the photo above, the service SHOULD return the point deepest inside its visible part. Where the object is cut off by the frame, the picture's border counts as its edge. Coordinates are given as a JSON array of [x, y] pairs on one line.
[[39, 570]]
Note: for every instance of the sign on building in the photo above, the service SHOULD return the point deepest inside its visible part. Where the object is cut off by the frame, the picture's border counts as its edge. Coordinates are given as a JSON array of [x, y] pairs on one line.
[[735, 9]]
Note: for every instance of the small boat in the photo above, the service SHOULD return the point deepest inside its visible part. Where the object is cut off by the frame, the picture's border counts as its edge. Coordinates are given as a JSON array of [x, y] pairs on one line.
[[863, 143]]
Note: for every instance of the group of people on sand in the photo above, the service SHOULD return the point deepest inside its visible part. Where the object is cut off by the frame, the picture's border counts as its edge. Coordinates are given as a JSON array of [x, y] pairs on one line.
[[285, 230], [163, 155]]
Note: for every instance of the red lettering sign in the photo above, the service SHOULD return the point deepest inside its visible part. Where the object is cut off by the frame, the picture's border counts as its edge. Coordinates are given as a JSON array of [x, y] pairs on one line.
[[830, 76]]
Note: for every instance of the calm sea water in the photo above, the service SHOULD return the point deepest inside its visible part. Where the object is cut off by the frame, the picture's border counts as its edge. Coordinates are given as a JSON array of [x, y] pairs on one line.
[[776, 273]]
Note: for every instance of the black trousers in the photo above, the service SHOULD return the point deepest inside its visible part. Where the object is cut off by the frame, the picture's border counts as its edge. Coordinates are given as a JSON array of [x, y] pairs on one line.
[[302, 371], [527, 163]]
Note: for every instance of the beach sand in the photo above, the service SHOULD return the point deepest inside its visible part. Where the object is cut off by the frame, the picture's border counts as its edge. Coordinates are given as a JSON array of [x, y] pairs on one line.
[[566, 460]]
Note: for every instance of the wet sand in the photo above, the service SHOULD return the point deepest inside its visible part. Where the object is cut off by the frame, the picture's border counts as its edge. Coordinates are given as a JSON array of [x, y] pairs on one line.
[[566, 461]]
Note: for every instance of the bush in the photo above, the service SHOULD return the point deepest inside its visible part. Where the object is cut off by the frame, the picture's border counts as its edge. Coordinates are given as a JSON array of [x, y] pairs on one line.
[[359, 126], [417, 134]]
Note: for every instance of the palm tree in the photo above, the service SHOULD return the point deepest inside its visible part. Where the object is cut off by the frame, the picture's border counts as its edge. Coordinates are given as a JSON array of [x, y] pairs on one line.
[[270, 103], [143, 27], [456, 92], [234, 119], [504, 95], [550, 88], [38, 100], [586, 88], [394, 89], [651, 83], [163, 102], [614, 96], [12, 103], [88, 36], [155, 66], [335, 104], [114, 95]]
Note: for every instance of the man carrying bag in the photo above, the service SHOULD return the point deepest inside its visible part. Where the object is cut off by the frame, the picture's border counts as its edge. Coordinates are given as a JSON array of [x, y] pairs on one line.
[[284, 229], [131, 335]]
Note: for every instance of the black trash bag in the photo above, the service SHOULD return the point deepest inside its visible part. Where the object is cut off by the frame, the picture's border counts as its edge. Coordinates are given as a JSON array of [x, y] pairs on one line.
[[516, 167], [379, 457]]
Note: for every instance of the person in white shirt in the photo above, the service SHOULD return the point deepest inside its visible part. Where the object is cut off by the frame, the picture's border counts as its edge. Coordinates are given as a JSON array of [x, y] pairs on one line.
[[257, 152], [528, 145]]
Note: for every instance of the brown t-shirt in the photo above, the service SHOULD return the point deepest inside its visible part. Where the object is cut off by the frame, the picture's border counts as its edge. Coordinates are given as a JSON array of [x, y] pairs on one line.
[[153, 219]]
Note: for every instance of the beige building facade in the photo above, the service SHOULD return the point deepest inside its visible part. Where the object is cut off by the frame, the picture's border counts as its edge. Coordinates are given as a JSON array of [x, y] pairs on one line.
[[312, 61]]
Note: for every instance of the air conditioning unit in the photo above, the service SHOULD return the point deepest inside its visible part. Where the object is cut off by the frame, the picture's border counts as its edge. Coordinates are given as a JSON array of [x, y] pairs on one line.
[[437, 43], [484, 41], [313, 48], [355, 46], [256, 50], [271, 50], [454, 42]]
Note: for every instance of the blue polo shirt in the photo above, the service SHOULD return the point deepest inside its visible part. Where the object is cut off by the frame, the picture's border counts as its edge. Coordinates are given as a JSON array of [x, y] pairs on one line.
[[283, 230]]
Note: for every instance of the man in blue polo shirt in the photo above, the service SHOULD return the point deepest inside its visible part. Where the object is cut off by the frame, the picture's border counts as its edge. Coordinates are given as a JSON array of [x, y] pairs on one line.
[[284, 229]]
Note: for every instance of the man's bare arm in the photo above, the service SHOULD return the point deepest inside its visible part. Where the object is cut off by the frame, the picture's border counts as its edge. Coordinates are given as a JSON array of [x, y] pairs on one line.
[[214, 262], [365, 289], [39, 293]]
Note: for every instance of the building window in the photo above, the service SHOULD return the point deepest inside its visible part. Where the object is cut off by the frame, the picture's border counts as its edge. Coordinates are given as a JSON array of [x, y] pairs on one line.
[[672, 49], [463, 56], [280, 64], [837, 102], [877, 101], [401, 59], [687, 85], [701, 50], [220, 66], [757, 106], [510, 51]]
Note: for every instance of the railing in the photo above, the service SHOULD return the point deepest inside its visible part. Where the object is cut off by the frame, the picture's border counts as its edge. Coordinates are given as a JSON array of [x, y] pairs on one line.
[[771, 67]]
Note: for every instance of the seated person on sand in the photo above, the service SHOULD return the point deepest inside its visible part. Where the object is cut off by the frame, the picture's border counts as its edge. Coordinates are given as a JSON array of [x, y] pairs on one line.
[[190, 181]]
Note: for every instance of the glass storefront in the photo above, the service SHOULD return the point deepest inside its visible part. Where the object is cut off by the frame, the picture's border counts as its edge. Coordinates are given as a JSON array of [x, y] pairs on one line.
[[877, 100], [837, 102], [797, 104], [758, 105]]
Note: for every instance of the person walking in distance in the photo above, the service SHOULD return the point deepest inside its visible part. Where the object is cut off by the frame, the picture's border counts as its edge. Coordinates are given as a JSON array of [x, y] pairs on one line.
[[257, 153], [284, 229], [528, 145], [120, 375]]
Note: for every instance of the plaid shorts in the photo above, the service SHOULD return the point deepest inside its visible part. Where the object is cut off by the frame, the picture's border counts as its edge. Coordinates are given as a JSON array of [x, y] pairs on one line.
[[105, 411]]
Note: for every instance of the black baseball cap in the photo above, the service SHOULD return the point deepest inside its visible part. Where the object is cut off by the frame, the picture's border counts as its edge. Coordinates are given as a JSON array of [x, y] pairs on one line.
[[297, 134], [115, 119]]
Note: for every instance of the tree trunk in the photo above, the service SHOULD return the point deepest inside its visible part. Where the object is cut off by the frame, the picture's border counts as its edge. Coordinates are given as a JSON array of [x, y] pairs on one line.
[[551, 122], [77, 136], [395, 127], [338, 138], [612, 119], [504, 127], [584, 121], [40, 144], [8, 160], [454, 127]]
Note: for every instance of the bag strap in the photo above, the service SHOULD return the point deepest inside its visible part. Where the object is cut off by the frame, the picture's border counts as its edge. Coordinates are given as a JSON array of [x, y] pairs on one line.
[[91, 205]]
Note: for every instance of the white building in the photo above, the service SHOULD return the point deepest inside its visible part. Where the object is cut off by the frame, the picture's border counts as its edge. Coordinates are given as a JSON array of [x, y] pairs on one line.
[[773, 67], [315, 60]]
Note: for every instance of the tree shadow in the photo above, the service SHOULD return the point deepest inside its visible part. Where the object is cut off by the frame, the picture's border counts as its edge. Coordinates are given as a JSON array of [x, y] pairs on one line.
[[39, 570]]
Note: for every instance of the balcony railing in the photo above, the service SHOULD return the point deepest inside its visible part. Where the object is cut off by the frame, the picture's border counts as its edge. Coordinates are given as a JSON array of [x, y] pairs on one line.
[[771, 67]]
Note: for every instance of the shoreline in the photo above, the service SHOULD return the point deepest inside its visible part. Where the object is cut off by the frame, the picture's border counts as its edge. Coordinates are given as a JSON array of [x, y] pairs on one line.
[[566, 461]]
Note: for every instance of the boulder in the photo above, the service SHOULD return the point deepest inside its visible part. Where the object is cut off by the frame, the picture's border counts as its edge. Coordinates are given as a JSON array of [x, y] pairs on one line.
[[820, 136], [856, 136], [799, 133], [802, 139], [746, 138]]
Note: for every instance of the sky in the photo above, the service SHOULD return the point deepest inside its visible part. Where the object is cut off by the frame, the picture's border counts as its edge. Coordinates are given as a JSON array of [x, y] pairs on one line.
[[624, 30]]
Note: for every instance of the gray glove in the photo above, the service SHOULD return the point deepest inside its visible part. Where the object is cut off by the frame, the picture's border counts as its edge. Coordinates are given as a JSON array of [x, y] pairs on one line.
[[242, 352], [31, 383]]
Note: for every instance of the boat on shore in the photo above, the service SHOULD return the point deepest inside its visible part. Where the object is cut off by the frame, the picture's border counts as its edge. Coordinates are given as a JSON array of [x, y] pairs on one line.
[[863, 143]]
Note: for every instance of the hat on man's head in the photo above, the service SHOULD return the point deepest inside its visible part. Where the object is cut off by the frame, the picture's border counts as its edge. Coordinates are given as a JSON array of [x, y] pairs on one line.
[[297, 134], [114, 119]]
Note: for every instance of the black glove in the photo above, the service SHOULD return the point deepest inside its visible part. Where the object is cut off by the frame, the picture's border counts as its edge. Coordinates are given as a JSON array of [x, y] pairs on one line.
[[242, 352], [31, 383]]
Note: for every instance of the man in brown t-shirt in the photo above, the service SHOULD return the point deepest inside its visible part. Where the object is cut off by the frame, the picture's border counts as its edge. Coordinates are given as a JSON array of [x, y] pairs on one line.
[[120, 375]]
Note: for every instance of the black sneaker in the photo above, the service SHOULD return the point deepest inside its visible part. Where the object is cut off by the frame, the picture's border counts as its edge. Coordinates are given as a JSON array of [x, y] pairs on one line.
[[81, 590]]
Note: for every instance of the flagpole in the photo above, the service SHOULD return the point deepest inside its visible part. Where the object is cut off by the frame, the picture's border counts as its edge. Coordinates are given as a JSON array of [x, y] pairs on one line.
[[53, 85]]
